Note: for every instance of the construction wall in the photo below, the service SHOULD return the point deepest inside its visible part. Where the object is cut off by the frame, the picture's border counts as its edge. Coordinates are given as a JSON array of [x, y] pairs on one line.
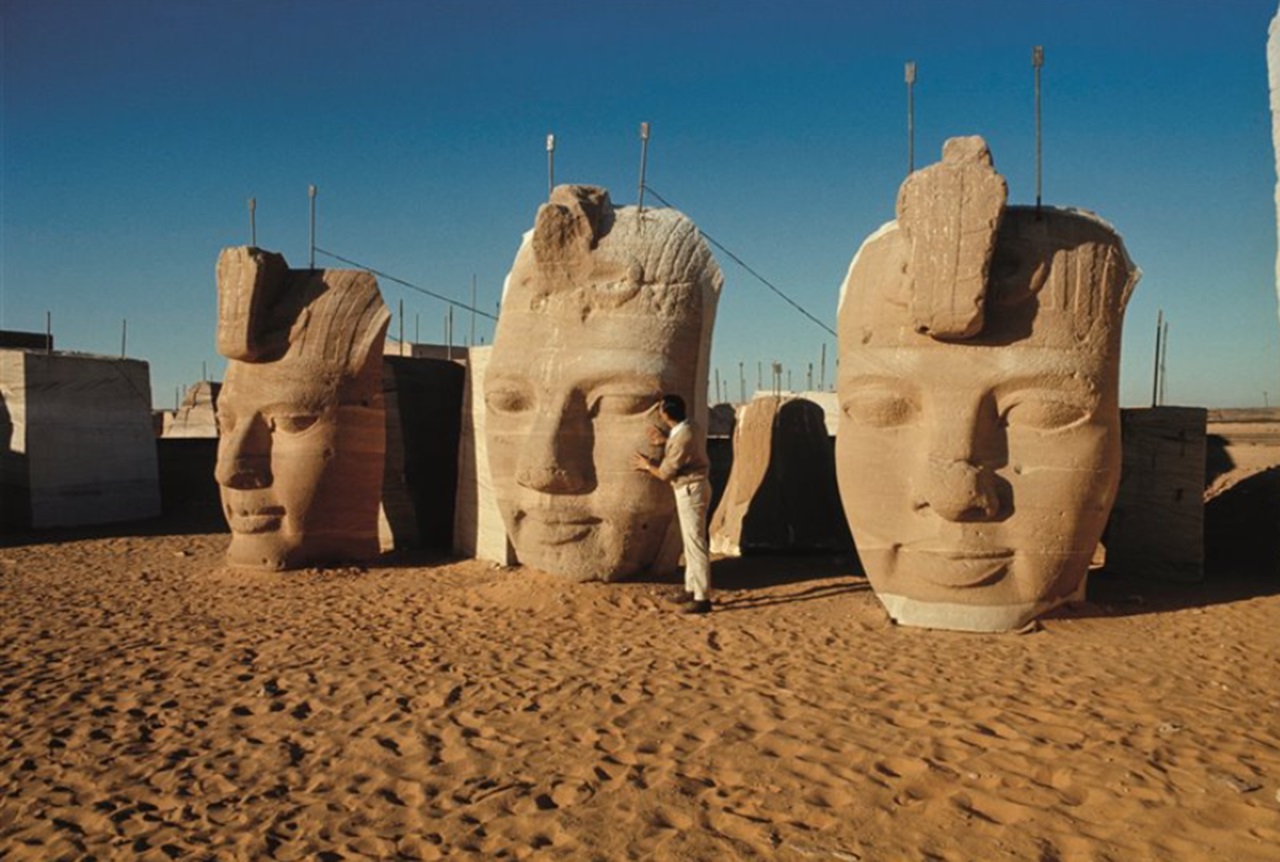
[[1157, 524], [77, 444]]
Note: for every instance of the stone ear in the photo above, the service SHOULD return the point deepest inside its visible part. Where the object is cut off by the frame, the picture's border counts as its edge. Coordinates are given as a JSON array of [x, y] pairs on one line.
[[951, 213]]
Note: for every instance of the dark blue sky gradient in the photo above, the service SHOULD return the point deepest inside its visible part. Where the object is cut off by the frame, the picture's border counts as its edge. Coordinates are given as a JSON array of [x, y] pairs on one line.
[[135, 130]]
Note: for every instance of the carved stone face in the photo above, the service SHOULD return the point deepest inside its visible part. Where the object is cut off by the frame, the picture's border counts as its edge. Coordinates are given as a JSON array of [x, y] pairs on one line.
[[977, 474], [979, 477], [301, 422], [295, 467], [589, 339], [566, 414]]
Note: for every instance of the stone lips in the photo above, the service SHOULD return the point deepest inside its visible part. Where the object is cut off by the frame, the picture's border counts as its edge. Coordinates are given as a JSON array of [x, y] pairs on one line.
[[605, 309]]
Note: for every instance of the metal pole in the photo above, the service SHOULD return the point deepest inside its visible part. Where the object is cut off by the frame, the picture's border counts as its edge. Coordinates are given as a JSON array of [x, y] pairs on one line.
[[1155, 379], [810, 386], [48, 332], [759, 375], [400, 314], [1164, 354], [742, 382], [717, 385], [1037, 61], [177, 396], [644, 158], [551, 165], [471, 342], [822, 371], [311, 193], [204, 371], [124, 336], [911, 116], [449, 351], [253, 222]]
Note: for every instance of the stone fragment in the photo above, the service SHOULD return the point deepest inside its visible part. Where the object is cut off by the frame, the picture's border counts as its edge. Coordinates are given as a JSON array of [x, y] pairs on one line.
[[605, 309], [781, 493], [77, 445], [1156, 527], [950, 213]]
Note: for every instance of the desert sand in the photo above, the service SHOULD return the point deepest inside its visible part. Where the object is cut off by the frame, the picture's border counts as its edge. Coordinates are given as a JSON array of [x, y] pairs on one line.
[[155, 704]]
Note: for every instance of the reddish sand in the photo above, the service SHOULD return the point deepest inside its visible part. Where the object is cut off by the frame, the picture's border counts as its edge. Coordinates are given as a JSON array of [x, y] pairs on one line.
[[156, 705]]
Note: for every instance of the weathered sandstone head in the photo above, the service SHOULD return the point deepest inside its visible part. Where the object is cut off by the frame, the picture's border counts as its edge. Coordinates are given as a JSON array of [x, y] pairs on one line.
[[605, 309], [978, 449], [300, 417]]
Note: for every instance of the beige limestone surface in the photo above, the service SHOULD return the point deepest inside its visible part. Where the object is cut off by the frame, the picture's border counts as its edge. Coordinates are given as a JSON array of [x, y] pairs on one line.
[[77, 443], [158, 704], [196, 416], [977, 472], [781, 493], [605, 309], [301, 416], [478, 529]]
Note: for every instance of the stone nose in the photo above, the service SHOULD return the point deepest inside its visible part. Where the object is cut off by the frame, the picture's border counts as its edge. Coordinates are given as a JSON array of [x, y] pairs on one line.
[[244, 456], [959, 490], [556, 456]]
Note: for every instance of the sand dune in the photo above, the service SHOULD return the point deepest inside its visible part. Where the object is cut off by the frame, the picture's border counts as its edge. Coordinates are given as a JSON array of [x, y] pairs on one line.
[[156, 705]]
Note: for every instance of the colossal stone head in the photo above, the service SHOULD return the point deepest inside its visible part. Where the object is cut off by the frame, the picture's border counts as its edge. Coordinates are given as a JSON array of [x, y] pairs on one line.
[[978, 450], [605, 309], [300, 417]]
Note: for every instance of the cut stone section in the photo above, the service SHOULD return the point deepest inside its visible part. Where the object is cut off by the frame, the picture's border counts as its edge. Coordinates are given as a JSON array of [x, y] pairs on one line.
[[781, 493], [950, 212], [77, 443]]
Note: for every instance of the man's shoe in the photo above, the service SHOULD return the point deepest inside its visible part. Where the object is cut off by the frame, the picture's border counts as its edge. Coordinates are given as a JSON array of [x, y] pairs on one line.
[[681, 598], [696, 607]]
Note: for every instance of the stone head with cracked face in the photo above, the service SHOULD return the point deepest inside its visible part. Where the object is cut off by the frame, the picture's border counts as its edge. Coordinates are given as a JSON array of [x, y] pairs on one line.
[[301, 434], [978, 450], [605, 309]]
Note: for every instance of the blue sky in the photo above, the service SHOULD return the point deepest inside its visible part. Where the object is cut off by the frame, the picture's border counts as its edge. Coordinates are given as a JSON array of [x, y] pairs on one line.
[[134, 131]]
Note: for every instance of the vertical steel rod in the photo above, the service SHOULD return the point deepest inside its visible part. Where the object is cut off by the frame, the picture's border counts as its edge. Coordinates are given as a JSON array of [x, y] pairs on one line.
[[124, 337], [311, 193], [911, 116], [551, 164], [1037, 61], [253, 222], [822, 372], [742, 382], [48, 332], [400, 314], [644, 159], [1164, 354], [1155, 378], [471, 342]]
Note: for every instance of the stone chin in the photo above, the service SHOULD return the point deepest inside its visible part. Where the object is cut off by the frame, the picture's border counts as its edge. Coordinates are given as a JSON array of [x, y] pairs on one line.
[[997, 590], [270, 551], [582, 547], [952, 616]]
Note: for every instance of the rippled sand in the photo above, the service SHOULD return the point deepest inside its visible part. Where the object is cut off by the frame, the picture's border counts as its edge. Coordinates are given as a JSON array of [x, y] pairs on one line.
[[156, 705]]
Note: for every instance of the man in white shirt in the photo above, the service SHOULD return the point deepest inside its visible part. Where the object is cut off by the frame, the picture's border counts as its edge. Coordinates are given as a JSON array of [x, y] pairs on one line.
[[684, 465]]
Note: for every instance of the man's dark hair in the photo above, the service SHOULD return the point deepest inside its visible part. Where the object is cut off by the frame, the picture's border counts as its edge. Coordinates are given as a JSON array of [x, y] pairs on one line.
[[673, 406]]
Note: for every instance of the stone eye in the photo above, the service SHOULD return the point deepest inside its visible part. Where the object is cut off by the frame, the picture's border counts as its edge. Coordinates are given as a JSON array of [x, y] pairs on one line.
[[508, 400], [622, 404], [1042, 412], [293, 423], [878, 407]]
